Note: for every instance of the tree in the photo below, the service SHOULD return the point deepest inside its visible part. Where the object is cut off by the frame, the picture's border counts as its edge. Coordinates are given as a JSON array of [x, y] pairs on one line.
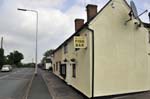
[[43, 60], [47, 56], [18, 57], [48, 53], [10, 58], [1, 57], [14, 58]]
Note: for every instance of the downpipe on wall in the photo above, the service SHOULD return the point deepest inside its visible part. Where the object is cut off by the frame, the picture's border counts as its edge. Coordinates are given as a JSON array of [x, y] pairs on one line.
[[92, 32]]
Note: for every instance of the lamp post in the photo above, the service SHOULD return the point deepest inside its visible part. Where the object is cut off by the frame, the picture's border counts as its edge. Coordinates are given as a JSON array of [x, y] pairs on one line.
[[36, 45]]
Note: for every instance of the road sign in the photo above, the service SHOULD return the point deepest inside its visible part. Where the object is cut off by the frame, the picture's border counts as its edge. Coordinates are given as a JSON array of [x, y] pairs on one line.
[[80, 42]]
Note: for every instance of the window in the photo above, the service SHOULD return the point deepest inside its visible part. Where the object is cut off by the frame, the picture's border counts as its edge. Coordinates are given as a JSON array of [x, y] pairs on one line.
[[63, 70], [53, 55], [56, 66], [48, 60], [65, 48], [74, 70], [76, 49], [59, 66]]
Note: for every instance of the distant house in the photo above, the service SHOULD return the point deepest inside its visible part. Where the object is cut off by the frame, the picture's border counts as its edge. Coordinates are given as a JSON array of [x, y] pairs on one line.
[[114, 59], [48, 63]]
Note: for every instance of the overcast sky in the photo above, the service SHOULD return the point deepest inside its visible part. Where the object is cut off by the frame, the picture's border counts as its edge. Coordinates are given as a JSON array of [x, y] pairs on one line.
[[56, 23]]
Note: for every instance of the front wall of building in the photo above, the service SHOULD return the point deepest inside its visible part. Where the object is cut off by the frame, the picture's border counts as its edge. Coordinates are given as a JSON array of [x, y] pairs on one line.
[[82, 60], [148, 32], [121, 60], [82, 56], [56, 61]]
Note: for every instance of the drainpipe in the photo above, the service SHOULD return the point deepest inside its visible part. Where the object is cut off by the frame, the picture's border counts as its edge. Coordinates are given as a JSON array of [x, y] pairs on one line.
[[149, 23], [92, 31]]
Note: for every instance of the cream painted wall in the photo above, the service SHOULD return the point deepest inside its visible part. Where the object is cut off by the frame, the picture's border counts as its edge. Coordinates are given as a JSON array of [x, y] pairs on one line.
[[82, 81], [121, 60], [57, 58], [148, 47]]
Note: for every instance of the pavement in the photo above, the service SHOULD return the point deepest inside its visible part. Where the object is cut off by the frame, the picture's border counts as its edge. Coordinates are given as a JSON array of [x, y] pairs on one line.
[[58, 88], [142, 95], [39, 89]]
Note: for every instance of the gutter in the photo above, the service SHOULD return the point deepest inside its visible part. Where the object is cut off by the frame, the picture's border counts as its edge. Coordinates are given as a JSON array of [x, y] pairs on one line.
[[92, 32]]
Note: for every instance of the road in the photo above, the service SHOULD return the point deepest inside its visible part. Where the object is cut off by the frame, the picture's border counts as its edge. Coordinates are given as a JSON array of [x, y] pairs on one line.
[[13, 84]]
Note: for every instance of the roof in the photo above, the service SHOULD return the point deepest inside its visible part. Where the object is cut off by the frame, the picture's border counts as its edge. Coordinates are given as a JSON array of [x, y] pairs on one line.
[[85, 25]]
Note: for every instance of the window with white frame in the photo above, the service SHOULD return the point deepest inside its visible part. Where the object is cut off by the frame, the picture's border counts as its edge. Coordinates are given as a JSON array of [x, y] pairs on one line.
[[74, 70], [56, 66]]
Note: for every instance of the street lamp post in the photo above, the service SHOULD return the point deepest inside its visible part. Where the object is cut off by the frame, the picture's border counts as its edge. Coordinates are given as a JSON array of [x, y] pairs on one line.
[[36, 45]]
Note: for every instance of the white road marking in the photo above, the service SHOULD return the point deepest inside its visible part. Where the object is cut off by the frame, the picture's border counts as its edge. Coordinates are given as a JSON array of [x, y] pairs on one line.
[[16, 72], [8, 75], [4, 76]]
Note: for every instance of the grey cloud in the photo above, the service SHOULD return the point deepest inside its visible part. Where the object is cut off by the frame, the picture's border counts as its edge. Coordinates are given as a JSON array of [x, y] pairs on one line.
[[42, 3], [18, 28], [1, 2]]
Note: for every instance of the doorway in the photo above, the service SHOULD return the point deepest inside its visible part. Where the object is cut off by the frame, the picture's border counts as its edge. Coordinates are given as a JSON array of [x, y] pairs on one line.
[[63, 70]]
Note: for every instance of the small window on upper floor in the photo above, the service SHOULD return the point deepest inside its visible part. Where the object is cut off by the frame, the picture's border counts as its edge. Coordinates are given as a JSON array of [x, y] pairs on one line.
[[65, 48]]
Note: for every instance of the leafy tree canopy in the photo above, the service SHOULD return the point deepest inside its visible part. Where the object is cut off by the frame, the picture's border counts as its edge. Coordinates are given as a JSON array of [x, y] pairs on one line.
[[15, 58], [48, 53], [18, 57], [46, 58]]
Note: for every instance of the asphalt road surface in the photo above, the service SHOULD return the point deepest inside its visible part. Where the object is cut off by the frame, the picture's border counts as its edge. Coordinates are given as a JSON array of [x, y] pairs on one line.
[[13, 84]]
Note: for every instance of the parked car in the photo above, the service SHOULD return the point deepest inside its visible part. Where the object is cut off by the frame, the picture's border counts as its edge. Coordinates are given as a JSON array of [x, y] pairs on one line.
[[6, 68]]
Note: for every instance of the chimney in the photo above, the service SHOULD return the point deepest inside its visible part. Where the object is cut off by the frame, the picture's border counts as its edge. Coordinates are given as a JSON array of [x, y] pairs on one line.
[[78, 24], [91, 11]]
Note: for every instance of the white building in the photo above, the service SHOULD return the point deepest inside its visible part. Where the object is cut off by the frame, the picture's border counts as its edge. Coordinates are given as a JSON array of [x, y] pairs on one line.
[[115, 60]]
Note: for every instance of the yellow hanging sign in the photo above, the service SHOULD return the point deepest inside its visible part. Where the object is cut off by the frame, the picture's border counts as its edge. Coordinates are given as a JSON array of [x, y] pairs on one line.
[[80, 42]]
